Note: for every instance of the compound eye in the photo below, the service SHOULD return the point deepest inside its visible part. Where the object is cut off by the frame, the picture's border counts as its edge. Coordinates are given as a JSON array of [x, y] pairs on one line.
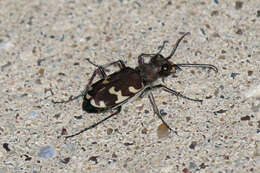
[[165, 67]]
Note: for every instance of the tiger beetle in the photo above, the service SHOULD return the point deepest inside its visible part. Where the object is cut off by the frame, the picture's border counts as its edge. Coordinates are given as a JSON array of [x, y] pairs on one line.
[[116, 89]]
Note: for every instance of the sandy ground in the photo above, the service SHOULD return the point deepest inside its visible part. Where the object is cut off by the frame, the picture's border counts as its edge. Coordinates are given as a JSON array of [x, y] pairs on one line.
[[43, 51]]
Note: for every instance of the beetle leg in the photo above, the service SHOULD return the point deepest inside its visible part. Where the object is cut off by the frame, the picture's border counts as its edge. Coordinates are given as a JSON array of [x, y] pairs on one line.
[[178, 94], [156, 110], [142, 95], [94, 125], [141, 60], [100, 70], [69, 100], [140, 57], [84, 92], [120, 63]]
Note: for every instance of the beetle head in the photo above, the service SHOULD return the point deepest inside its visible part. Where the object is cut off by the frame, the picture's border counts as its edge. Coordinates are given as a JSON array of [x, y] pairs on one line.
[[164, 66], [161, 67]]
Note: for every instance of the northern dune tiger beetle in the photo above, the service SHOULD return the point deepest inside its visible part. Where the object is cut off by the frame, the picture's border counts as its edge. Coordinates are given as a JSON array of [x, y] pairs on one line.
[[116, 89]]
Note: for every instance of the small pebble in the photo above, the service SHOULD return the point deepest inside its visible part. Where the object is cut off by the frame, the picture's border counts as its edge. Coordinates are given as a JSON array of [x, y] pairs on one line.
[[46, 152], [65, 160], [109, 131], [162, 131], [233, 75], [6, 147], [239, 5], [258, 13], [193, 145], [253, 92], [33, 114]]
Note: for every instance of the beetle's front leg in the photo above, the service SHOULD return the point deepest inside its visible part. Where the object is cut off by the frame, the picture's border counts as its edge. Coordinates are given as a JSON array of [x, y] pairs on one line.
[[156, 110], [118, 110], [141, 59]]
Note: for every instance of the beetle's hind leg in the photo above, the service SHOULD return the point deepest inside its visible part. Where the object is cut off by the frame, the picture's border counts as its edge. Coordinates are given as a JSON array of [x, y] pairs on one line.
[[84, 92], [118, 110], [100, 70]]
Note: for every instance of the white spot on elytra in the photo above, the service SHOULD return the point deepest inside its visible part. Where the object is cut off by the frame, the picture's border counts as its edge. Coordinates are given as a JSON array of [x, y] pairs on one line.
[[133, 90], [119, 95], [101, 103]]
